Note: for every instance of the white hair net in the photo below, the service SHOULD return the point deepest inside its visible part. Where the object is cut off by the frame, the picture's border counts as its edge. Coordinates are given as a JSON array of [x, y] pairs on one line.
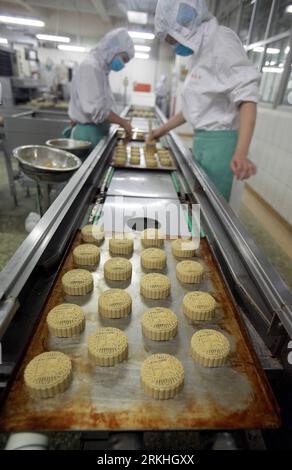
[[180, 19], [115, 42]]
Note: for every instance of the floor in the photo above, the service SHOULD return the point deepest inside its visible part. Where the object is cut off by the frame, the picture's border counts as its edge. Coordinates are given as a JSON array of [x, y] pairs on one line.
[[273, 238], [12, 219], [259, 222]]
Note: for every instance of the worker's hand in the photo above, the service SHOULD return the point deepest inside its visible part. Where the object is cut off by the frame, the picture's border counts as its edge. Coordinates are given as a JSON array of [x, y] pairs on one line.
[[154, 135], [242, 167], [129, 130]]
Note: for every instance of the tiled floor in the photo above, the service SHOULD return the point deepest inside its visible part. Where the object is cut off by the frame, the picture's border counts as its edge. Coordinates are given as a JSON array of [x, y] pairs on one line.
[[12, 219]]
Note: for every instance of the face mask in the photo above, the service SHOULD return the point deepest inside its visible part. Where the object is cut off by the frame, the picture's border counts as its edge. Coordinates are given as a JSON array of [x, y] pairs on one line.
[[117, 64], [184, 51]]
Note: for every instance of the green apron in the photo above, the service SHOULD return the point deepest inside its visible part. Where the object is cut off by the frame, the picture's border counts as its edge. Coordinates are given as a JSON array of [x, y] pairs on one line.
[[213, 151], [91, 132]]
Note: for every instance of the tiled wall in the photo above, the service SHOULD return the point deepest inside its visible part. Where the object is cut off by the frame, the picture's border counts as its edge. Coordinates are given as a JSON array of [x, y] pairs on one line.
[[271, 150]]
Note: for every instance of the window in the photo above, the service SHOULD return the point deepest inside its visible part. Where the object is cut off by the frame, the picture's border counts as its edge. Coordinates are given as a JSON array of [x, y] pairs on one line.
[[273, 68], [282, 20], [267, 54], [288, 93], [256, 56], [245, 20], [261, 20]]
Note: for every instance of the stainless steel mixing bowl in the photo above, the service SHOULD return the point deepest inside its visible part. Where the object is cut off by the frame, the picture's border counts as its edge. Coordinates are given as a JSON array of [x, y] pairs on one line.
[[46, 164], [80, 148]]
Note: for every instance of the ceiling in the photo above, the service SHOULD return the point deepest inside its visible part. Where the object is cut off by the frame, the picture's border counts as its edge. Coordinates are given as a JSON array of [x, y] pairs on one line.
[[85, 21], [78, 18]]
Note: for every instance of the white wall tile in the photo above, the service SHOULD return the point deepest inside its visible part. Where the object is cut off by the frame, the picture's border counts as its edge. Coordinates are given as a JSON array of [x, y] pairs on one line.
[[271, 150]]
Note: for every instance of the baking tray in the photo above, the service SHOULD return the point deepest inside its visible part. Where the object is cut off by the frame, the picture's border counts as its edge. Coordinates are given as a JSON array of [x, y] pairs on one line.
[[143, 165], [142, 184], [135, 136], [236, 396]]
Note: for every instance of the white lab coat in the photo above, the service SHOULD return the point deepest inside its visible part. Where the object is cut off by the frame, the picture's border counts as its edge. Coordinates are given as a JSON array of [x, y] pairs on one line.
[[91, 97], [221, 76]]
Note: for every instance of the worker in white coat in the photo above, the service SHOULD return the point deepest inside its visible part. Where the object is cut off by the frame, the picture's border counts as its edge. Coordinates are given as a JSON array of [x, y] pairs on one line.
[[220, 94], [92, 106], [162, 94]]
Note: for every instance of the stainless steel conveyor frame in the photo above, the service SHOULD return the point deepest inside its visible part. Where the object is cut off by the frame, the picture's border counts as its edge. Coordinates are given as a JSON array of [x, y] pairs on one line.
[[264, 295]]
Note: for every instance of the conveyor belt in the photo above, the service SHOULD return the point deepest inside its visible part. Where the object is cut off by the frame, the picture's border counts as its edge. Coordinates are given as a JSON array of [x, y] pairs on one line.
[[235, 396], [76, 409]]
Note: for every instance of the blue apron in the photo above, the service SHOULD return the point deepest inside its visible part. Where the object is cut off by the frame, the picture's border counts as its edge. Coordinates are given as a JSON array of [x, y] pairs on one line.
[[91, 132], [213, 151]]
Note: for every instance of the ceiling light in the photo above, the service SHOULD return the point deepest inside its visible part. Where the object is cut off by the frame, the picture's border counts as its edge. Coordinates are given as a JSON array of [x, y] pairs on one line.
[[140, 55], [72, 48], [139, 48], [289, 9], [258, 49], [273, 69], [273, 50], [137, 17], [141, 35], [51, 37], [287, 50], [3, 41], [22, 21]]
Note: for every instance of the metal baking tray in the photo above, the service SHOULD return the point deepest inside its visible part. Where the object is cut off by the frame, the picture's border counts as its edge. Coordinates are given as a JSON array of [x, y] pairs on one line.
[[135, 134], [236, 396], [158, 185], [143, 165]]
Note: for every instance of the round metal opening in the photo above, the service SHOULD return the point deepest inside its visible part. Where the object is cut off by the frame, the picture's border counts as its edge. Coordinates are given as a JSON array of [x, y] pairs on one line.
[[138, 224]]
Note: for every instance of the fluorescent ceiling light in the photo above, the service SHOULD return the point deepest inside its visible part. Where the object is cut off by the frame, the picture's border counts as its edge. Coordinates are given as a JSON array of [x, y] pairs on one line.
[[137, 17], [72, 48], [141, 35], [139, 48], [51, 37], [287, 50], [272, 70], [289, 9], [22, 21], [3, 41], [270, 50], [273, 50], [140, 55], [259, 49]]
